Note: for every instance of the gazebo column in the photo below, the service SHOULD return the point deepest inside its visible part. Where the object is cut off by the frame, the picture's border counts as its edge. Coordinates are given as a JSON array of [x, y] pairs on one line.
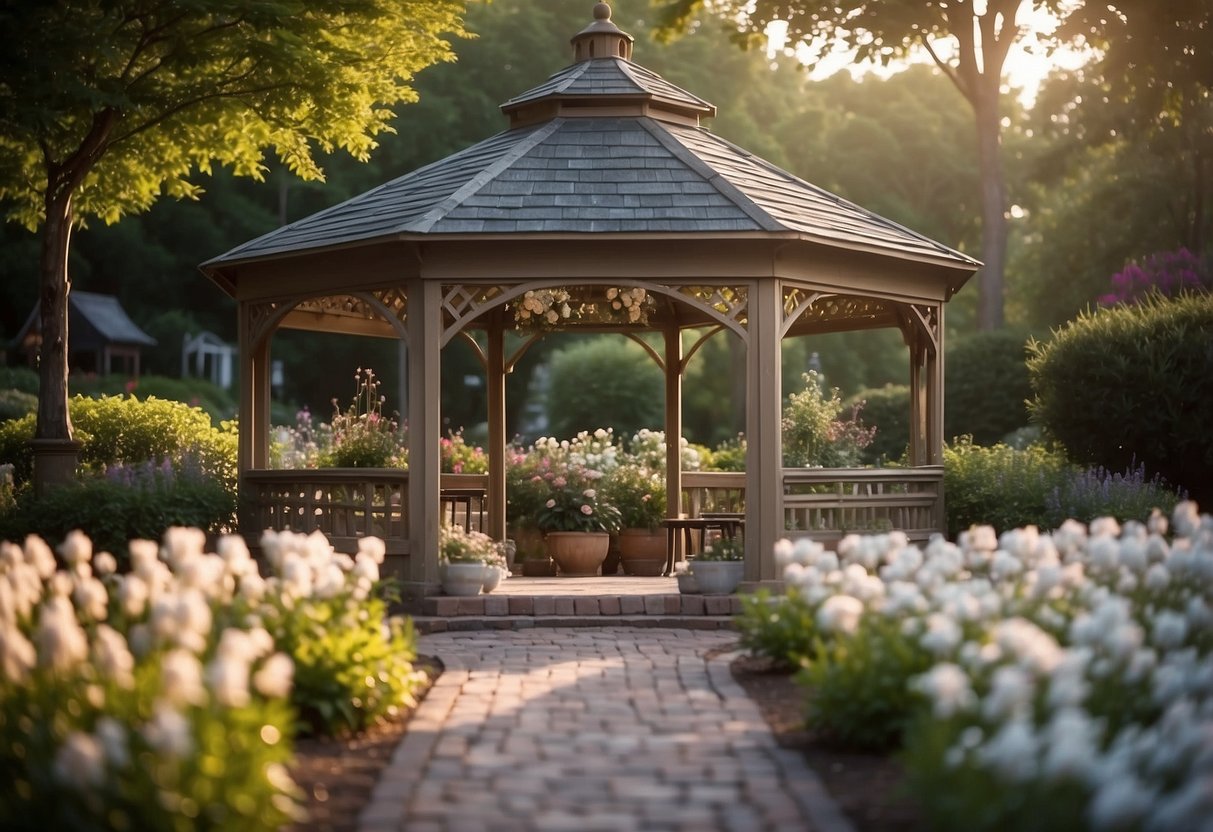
[[934, 394], [495, 383], [425, 415], [918, 431], [253, 448], [764, 410], [673, 418]]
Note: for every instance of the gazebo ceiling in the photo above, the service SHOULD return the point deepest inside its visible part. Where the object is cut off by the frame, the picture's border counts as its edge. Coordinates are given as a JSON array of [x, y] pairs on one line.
[[604, 162]]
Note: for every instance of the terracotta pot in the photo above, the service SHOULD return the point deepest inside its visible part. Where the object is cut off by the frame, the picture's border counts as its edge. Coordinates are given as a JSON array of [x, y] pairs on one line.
[[541, 568], [643, 551], [578, 554]]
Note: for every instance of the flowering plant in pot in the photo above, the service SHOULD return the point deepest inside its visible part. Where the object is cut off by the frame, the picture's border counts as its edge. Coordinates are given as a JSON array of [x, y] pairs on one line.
[[470, 562], [639, 493], [578, 519]]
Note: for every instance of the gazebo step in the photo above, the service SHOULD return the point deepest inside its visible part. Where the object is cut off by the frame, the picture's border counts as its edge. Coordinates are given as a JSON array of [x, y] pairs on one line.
[[436, 624], [580, 606]]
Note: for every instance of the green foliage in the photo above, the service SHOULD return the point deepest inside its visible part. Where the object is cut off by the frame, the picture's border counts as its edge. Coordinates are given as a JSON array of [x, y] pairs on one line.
[[813, 435], [22, 379], [574, 504], [887, 410], [117, 429], [638, 494], [218, 403], [729, 455], [723, 549], [986, 386], [353, 663], [116, 509], [1009, 488], [14, 404], [628, 391], [1126, 385], [458, 457], [780, 628], [857, 684], [362, 437]]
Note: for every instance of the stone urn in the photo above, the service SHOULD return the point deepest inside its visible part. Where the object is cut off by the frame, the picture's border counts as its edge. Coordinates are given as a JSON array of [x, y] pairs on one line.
[[717, 577], [463, 579], [643, 551], [578, 554]]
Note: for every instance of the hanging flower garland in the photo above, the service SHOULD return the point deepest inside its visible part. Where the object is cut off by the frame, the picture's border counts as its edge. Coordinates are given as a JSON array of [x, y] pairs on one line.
[[549, 307]]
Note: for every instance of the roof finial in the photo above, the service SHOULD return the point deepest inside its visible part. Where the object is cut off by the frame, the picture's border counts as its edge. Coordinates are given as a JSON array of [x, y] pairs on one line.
[[602, 38]]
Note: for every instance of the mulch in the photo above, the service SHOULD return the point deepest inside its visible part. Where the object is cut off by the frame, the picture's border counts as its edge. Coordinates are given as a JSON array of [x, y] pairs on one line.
[[338, 775]]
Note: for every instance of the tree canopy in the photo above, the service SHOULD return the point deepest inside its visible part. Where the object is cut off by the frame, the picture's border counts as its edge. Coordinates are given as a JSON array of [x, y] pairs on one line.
[[106, 106]]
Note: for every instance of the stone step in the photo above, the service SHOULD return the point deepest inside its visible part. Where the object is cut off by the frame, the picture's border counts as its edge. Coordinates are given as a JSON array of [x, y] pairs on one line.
[[569, 606], [433, 624]]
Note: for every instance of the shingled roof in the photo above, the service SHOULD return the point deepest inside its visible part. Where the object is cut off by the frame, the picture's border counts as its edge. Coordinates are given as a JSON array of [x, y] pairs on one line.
[[603, 146], [95, 320]]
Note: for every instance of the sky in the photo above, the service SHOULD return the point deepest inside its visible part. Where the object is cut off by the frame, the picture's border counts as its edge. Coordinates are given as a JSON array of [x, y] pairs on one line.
[[1026, 67]]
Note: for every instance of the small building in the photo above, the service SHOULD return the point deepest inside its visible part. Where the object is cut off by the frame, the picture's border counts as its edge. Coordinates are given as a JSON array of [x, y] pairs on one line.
[[208, 356], [102, 338]]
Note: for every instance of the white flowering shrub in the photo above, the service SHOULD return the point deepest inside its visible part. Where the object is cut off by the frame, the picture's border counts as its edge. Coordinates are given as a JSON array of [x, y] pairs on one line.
[[353, 664], [1048, 681], [167, 697], [138, 701]]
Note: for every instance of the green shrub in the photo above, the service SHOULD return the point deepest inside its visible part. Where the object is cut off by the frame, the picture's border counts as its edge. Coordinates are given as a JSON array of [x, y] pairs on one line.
[[122, 507], [606, 382], [22, 379], [1009, 488], [780, 628], [813, 433], [1133, 384], [729, 455], [887, 409], [986, 386], [218, 403], [14, 404], [123, 429]]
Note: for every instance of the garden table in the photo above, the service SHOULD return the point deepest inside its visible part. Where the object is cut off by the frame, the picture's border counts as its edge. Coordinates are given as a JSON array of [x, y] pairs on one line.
[[680, 533]]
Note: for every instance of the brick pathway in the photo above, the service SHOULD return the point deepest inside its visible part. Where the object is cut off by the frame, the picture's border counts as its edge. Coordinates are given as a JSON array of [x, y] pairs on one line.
[[591, 729]]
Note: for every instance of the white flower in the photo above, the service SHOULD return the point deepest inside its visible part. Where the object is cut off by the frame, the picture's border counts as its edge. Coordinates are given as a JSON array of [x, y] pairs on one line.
[[978, 539], [90, 598], [111, 734], [17, 654], [76, 548], [113, 657], [1157, 577], [252, 586], [329, 582], [840, 613], [1011, 752], [943, 635], [181, 678], [182, 543], [235, 554], [1011, 692], [169, 732], [374, 548], [1120, 803], [105, 564], [275, 677], [61, 641], [132, 595], [947, 686], [1169, 630], [366, 568], [145, 557], [1073, 744], [80, 761]]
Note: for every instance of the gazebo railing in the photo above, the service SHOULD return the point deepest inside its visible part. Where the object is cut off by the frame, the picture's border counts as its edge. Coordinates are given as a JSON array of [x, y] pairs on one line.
[[827, 503], [348, 503]]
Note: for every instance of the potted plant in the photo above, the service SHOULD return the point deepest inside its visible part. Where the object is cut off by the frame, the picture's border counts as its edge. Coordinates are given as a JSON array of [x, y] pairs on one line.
[[577, 520], [469, 562], [719, 568], [526, 492], [639, 494]]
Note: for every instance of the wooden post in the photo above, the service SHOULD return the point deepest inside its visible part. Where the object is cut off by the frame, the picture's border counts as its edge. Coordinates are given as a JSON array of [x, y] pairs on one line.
[[425, 420], [494, 377], [673, 418], [934, 393], [764, 411]]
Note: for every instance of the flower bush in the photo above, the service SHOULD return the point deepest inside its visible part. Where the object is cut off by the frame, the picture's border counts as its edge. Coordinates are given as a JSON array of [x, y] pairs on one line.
[[1166, 272], [1044, 681], [813, 433], [721, 549], [362, 436], [458, 457], [617, 304], [167, 697], [639, 495]]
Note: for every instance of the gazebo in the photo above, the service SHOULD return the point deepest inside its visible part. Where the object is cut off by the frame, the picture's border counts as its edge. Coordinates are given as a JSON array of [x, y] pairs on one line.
[[604, 182]]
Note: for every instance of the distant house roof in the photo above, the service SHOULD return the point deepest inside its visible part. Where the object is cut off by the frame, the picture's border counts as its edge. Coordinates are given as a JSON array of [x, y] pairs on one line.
[[603, 146], [95, 321]]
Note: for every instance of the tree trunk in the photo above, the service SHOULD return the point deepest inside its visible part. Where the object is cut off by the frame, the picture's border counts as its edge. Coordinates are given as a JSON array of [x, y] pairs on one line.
[[993, 211], [54, 285]]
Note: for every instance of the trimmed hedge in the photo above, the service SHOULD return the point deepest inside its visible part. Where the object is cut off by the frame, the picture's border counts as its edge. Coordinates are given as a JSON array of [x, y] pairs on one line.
[[986, 386], [888, 410], [123, 429], [1133, 384], [604, 382]]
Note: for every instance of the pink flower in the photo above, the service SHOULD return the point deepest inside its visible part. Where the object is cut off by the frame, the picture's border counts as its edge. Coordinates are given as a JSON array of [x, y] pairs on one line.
[[560, 482], [587, 510], [550, 504]]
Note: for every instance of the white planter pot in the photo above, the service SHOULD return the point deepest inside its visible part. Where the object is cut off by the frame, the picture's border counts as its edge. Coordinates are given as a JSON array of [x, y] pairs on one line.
[[492, 577], [462, 579], [687, 584], [718, 577]]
